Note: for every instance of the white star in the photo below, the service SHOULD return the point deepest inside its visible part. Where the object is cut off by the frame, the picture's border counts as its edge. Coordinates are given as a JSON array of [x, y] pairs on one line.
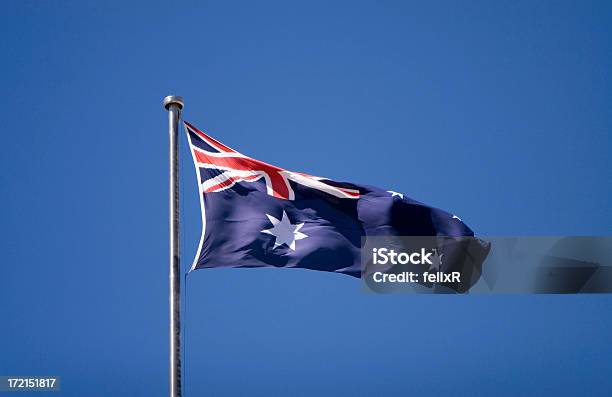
[[393, 194], [285, 232], [436, 263]]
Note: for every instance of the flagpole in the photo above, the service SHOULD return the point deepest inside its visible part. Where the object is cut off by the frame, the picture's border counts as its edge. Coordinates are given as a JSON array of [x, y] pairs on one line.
[[173, 105]]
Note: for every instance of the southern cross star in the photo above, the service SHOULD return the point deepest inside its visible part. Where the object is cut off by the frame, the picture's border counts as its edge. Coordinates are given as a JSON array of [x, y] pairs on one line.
[[284, 231], [393, 194], [436, 262]]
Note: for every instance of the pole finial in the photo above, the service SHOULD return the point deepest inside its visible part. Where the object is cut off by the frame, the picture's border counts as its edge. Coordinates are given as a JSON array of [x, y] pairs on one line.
[[173, 100]]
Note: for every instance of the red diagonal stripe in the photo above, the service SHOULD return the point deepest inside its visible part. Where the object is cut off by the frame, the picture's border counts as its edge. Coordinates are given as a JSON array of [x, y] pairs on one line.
[[215, 142]]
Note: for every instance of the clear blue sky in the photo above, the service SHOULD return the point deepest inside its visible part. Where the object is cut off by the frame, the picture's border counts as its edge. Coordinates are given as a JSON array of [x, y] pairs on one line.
[[497, 111]]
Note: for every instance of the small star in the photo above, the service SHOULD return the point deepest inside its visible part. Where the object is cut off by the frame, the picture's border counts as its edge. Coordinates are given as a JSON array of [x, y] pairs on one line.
[[436, 263], [393, 194], [284, 231]]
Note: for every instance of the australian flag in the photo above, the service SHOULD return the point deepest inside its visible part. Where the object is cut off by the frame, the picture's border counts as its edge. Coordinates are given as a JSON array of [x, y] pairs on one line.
[[255, 214]]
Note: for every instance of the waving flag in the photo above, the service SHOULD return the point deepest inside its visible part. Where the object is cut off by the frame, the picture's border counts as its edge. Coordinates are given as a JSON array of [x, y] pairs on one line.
[[255, 214]]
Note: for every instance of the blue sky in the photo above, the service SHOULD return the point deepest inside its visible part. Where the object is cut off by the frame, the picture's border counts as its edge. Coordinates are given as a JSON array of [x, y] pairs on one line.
[[497, 111]]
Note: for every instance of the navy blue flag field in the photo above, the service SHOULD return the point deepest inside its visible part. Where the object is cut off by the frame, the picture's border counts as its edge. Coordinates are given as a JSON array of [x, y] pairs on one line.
[[255, 214]]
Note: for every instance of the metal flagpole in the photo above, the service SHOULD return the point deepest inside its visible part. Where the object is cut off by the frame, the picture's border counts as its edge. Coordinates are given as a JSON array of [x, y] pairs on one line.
[[174, 104]]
